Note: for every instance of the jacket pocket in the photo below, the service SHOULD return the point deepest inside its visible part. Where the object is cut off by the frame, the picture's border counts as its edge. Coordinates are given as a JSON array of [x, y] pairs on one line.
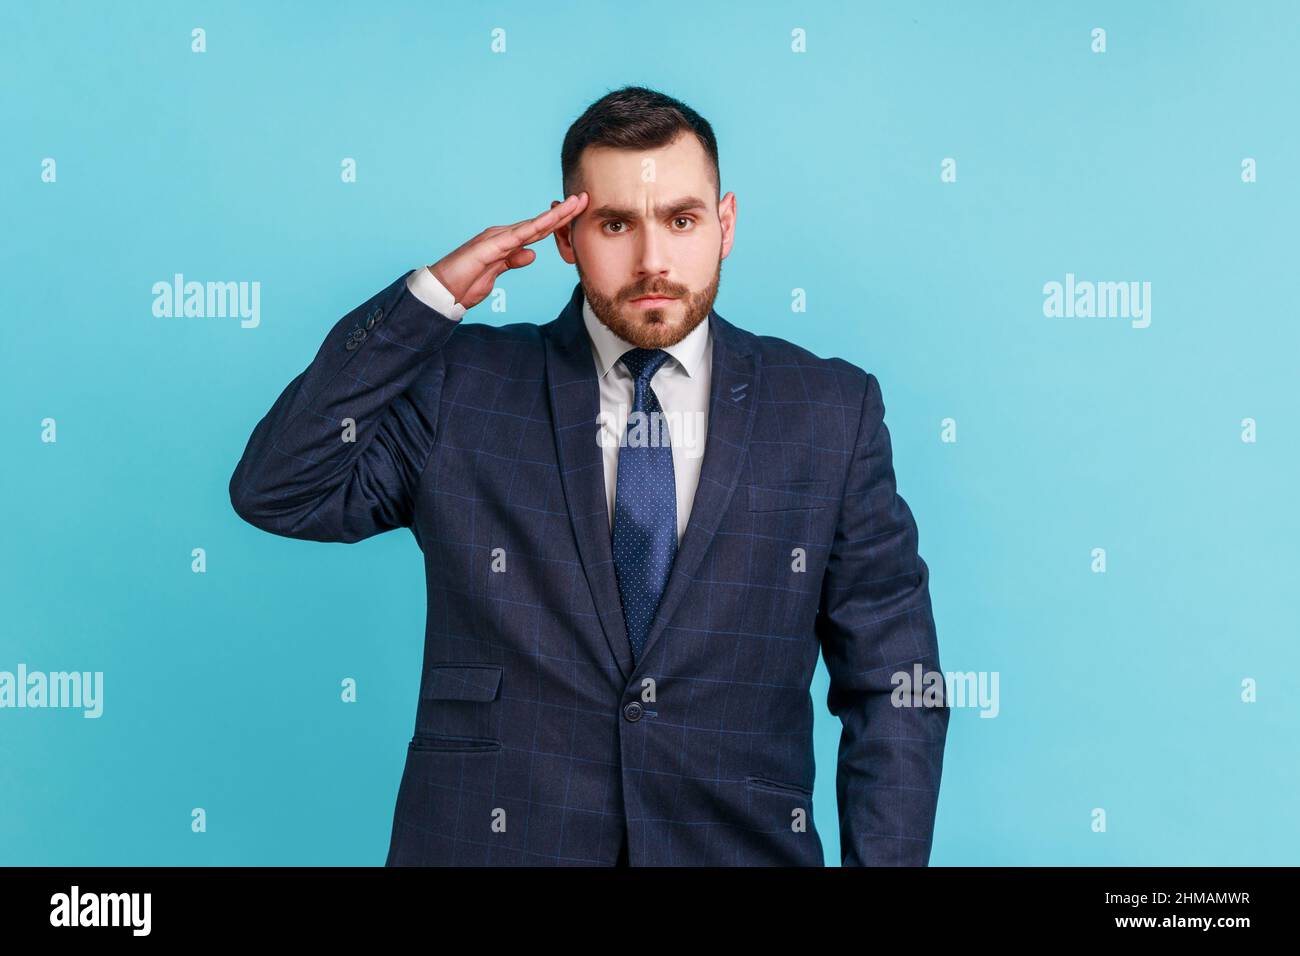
[[443, 743], [789, 496], [479, 682], [762, 783]]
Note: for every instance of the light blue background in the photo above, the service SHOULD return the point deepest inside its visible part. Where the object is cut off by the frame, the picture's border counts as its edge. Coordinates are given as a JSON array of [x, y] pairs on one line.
[[1119, 691]]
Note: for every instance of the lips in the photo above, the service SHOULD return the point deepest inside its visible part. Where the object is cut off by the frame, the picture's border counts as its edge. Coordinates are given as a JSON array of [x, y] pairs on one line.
[[651, 298]]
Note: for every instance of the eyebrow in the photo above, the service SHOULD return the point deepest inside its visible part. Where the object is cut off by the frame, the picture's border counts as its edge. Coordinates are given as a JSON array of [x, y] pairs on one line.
[[663, 211]]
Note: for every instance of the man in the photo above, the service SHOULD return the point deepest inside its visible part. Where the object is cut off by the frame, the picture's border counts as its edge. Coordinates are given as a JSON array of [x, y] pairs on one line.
[[621, 633]]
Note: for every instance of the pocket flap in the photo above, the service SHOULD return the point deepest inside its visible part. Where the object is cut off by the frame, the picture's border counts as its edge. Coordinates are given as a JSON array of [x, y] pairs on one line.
[[764, 783], [462, 682], [789, 495]]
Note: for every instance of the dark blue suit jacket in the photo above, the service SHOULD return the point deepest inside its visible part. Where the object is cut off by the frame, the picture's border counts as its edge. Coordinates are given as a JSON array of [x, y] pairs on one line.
[[537, 742]]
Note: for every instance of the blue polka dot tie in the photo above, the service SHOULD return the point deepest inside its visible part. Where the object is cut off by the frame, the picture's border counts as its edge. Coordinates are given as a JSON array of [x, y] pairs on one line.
[[645, 502]]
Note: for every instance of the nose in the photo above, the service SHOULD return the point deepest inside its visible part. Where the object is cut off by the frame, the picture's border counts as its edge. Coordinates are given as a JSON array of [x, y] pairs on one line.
[[652, 265]]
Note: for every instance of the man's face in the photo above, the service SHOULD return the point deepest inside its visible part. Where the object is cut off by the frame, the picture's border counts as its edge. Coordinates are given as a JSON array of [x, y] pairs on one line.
[[650, 226]]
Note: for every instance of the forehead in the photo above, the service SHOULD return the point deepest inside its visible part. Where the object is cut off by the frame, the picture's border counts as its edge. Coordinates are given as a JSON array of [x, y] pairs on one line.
[[681, 168]]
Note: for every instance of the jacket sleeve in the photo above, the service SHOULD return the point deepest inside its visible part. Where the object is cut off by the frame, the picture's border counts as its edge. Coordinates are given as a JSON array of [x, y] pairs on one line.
[[310, 473], [874, 623]]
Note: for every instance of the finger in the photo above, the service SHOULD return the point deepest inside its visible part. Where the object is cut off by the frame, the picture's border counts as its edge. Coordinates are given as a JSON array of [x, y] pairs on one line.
[[520, 258], [531, 230], [566, 216], [515, 260], [573, 209], [572, 214], [493, 230], [488, 232], [482, 286], [528, 231]]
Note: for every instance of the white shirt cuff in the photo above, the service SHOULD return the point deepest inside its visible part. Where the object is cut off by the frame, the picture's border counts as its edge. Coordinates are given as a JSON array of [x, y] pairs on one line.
[[424, 286]]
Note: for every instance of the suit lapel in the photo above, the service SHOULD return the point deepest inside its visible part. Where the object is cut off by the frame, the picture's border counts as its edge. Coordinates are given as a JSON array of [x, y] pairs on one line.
[[575, 406], [733, 396]]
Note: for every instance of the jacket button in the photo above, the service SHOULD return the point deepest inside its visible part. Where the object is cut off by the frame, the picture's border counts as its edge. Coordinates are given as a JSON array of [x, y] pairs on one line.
[[360, 334], [632, 711], [352, 343], [370, 320], [379, 312]]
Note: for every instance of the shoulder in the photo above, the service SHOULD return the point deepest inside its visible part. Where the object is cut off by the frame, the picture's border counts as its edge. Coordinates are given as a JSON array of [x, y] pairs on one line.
[[790, 370]]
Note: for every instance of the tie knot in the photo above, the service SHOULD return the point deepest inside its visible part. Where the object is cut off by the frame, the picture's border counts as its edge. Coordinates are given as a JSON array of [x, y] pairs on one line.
[[643, 363]]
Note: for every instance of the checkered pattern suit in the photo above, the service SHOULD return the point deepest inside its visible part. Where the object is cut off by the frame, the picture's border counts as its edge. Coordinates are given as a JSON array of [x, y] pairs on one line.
[[537, 741]]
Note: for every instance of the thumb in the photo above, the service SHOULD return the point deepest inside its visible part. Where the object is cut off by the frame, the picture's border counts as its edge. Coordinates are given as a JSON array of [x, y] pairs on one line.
[[519, 258]]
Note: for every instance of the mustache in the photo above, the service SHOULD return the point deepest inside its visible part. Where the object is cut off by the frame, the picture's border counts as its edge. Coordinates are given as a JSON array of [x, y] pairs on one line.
[[673, 293]]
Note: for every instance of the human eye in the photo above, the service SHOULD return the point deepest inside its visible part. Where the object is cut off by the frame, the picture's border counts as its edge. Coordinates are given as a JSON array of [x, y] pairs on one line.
[[689, 220], [614, 222]]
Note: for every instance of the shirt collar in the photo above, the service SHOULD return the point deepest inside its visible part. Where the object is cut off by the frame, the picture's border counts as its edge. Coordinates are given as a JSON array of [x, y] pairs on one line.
[[610, 346]]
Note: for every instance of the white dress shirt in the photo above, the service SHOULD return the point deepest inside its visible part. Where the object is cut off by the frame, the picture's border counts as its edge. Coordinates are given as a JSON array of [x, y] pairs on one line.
[[681, 384]]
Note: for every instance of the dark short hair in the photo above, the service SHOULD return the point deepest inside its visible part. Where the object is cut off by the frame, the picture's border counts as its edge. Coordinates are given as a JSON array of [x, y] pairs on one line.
[[634, 118]]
